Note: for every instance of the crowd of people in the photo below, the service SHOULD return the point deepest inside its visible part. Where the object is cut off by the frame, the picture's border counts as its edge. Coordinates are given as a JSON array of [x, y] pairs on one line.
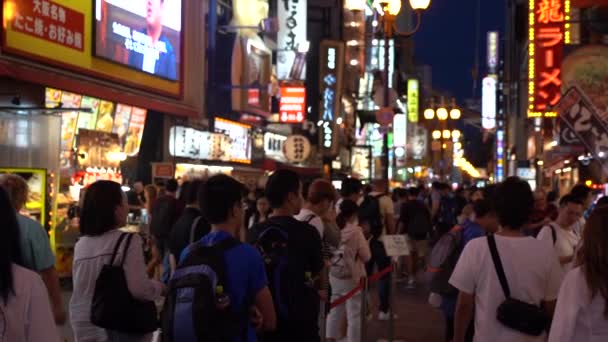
[[221, 262]]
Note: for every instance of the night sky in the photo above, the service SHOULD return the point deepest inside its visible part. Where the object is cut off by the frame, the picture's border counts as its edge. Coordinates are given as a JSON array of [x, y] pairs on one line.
[[446, 41]]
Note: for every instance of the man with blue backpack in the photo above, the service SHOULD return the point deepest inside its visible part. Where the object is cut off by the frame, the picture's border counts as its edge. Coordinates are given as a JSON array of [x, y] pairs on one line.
[[219, 290], [292, 254]]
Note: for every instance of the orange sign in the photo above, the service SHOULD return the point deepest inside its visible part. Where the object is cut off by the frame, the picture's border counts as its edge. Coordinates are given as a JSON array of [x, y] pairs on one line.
[[292, 107], [547, 31], [60, 33]]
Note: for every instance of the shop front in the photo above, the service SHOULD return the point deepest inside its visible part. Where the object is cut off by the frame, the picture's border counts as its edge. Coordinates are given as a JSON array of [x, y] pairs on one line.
[[83, 77]]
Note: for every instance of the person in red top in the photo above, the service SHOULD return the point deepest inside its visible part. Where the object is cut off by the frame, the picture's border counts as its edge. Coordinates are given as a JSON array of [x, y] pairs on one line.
[[541, 215]]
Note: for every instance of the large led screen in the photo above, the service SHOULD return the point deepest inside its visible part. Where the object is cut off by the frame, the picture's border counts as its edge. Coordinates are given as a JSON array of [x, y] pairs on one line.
[[142, 34]]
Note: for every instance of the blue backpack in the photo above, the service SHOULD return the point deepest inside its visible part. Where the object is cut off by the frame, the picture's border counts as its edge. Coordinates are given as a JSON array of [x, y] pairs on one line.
[[272, 244], [197, 308]]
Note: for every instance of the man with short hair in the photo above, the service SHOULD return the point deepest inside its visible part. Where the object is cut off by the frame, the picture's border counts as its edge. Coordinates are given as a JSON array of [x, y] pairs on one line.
[[221, 203], [530, 267], [561, 233], [35, 246], [165, 213], [585, 195], [351, 189], [158, 56], [298, 304]]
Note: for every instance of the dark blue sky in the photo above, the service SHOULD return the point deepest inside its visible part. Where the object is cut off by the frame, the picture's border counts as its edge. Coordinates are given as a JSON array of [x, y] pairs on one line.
[[446, 41]]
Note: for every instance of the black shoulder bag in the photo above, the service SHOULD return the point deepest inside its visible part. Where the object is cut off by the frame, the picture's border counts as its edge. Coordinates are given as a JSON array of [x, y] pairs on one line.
[[113, 307], [521, 316]]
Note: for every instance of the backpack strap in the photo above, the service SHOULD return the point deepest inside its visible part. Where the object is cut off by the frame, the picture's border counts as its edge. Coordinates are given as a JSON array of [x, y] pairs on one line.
[[498, 266], [122, 237], [126, 249], [310, 218], [553, 233], [193, 228]]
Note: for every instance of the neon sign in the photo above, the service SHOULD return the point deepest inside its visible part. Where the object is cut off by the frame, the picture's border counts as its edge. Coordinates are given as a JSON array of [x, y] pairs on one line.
[[332, 55], [412, 100], [546, 34]]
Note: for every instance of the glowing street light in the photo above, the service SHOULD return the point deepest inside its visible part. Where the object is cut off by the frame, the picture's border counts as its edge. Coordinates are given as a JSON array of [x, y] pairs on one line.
[[456, 134], [420, 5], [446, 134], [442, 114], [436, 135], [455, 114], [429, 114]]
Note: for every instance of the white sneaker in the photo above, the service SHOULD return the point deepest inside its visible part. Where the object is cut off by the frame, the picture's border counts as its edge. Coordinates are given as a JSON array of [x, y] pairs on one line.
[[411, 283], [384, 316]]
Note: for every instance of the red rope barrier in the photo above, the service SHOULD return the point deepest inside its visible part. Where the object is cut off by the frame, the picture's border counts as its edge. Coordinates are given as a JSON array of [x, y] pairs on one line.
[[374, 277]]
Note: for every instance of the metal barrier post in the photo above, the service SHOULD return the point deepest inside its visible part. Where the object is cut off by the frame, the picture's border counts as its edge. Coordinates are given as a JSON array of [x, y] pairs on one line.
[[391, 301], [364, 308]]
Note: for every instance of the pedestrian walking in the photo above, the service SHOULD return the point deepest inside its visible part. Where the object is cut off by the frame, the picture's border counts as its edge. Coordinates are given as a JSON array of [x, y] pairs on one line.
[[294, 260], [25, 310], [219, 291], [104, 211], [347, 270], [504, 277], [582, 305]]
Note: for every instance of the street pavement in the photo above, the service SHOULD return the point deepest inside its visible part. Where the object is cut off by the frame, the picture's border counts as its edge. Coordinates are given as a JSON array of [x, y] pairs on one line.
[[417, 321]]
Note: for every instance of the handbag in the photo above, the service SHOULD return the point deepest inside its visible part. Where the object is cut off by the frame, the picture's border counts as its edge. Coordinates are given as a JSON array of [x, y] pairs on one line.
[[113, 307], [513, 313]]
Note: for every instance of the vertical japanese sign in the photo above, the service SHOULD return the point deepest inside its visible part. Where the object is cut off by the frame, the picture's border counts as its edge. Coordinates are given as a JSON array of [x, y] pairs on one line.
[[500, 155], [331, 72], [399, 130], [546, 36], [413, 97], [488, 102], [492, 51], [291, 39]]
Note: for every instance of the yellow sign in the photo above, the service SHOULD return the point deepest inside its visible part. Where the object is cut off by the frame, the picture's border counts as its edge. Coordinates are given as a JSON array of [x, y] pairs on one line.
[[413, 94], [60, 32]]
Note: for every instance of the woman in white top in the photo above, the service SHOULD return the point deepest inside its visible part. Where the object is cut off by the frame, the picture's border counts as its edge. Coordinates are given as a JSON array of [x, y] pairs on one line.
[[105, 210], [25, 310], [582, 304], [348, 267]]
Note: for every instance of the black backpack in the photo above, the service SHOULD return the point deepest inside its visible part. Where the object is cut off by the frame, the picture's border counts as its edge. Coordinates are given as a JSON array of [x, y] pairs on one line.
[[419, 223], [164, 215], [447, 217], [196, 308], [272, 243], [370, 217], [443, 259]]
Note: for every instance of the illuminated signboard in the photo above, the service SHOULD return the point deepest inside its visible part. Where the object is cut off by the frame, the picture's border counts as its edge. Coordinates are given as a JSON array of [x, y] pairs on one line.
[[291, 40], [488, 102], [273, 146], [332, 57], [186, 142], [292, 105], [239, 140], [399, 130], [492, 51], [63, 33], [412, 100], [546, 36], [500, 155]]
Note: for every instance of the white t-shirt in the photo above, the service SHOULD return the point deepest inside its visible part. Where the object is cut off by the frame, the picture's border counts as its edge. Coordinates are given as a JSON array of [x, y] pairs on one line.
[[307, 215], [566, 242], [27, 316], [533, 273], [577, 316]]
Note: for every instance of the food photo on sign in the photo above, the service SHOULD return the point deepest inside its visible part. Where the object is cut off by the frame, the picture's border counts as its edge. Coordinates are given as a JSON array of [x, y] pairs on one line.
[[142, 34]]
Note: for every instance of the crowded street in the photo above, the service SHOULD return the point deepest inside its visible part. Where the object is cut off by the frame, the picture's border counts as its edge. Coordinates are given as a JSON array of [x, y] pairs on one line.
[[304, 171]]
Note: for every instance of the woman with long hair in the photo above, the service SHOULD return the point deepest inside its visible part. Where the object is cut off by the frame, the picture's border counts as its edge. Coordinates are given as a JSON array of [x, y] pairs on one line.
[[104, 211], [25, 310], [262, 211], [347, 269], [582, 304]]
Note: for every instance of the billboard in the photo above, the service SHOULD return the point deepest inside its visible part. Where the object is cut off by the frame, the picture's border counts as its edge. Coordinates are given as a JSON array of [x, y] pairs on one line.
[[291, 40], [239, 149], [413, 97], [292, 105], [546, 39], [331, 73], [492, 52], [142, 34], [60, 33], [488, 102]]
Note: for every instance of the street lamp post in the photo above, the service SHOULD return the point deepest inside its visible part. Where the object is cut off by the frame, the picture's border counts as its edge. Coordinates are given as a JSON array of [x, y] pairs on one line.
[[443, 114], [390, 10]]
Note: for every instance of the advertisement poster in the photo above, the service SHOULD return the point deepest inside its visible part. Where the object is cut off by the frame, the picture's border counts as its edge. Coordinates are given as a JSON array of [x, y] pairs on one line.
[[52, 97], [94, 148], [361, 162], [240, 141], [142, 34], [105, 118], [91, 118], [121, 121], [136, 131]]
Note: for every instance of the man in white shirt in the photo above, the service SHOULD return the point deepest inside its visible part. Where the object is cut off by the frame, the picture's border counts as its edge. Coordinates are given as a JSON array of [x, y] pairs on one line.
[[560, 234], [320, 196], [530, 266]]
